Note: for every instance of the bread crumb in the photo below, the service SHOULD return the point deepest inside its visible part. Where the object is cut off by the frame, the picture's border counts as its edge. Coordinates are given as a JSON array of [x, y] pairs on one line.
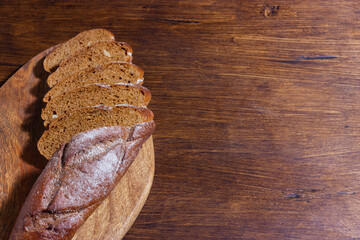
[[107, 53], [140, 81]]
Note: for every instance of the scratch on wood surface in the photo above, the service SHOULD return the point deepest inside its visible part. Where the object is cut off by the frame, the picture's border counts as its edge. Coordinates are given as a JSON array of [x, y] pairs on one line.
[[175, 21], [304, 58], [309, 194], [292, 195], [346, 193], [296, 40], [314, 58]]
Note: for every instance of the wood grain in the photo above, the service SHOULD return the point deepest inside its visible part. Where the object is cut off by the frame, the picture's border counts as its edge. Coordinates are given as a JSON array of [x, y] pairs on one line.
[[254, 139], [21, 163]]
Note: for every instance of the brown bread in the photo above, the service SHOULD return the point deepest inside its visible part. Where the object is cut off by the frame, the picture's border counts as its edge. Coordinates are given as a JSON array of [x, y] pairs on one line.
[[96, 54], [94, 95], [90, 147], [63, 128], [78, 177], [109, 73], [80, 41]]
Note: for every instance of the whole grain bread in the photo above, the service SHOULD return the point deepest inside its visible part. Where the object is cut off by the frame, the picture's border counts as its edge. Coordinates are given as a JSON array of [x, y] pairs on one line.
[[63, 128], [109, 73], [90, 148], [94, 95], [78, 177], [96, 54], [80, 41]]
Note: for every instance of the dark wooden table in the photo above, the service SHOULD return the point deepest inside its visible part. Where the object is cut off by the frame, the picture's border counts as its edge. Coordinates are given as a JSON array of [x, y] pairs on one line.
[[257, 106]]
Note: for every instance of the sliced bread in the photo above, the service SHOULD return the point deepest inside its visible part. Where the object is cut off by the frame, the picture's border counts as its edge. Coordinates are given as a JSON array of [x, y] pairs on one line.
[[80, 41], [96, 54], [109, 73], [94, 95], [62, 129]]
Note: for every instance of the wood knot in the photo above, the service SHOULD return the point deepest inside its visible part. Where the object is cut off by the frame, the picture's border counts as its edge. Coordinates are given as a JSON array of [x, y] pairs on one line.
[[270, 10]]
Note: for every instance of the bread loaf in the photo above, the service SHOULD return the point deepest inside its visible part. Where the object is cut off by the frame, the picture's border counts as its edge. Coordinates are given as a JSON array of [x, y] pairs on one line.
[[80, 41], [89, 147], [77, 178], [96, 54], [63, 128], [109, 73]]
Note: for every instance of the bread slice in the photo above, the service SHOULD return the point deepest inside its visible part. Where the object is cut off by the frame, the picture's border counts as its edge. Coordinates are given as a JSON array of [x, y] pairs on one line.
[[68, 125], [80, 41], [94, 95], [109, 73], [96, 54]]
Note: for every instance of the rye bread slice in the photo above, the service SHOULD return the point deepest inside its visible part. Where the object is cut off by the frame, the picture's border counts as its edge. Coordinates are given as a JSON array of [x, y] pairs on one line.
[[108, 73], [96, 54], [62, 129], [95, 95], [80, 41]]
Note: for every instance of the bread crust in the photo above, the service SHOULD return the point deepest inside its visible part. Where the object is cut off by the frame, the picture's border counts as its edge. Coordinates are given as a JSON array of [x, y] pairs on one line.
[[109, 95], [81, 40], [89, 74], [80, 60], [47, 144], [60, 200]]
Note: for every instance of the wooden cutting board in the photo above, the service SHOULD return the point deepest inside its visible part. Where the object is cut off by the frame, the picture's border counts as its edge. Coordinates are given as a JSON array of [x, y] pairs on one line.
[[21, 163]]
